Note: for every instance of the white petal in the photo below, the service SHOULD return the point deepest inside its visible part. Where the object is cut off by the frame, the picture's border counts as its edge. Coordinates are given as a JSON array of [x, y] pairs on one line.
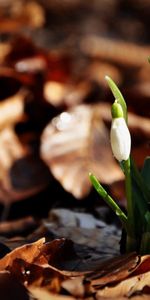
[[120, 139]]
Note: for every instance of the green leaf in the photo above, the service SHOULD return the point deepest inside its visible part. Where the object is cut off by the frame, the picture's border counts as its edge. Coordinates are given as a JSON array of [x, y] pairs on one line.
[[118, 96], [140, 181], [147, 217], [145, 243], [108, 199], [146, 171]]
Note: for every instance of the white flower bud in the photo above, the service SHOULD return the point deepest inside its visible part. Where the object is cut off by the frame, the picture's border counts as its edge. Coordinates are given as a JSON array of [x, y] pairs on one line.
[[120, 139]]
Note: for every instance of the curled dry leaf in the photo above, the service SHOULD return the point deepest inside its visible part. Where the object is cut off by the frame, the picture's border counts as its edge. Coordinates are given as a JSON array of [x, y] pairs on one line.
[[75, 143], [28, 253], [19, 170], [122, 278], [33, 264], [114, 270], [126, 288], [45, 255]]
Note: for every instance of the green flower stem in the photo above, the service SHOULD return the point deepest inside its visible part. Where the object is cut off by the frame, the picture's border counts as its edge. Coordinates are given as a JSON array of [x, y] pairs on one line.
[[109, 200], [131, 237]]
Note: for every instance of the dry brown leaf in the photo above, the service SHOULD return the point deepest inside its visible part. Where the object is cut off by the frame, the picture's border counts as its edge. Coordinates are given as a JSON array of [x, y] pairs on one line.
[[127, 287], [74, 287], [44, 294], [28, 253], [11, 228], [4, 51], [12, 109], [51, 255], [75, 143], [120, 52], [13, 153], [113, 270], [123, 278], [34, 264]]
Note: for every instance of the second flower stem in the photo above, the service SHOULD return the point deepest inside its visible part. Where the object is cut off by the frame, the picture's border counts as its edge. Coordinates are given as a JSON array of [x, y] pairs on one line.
[[131, 237]]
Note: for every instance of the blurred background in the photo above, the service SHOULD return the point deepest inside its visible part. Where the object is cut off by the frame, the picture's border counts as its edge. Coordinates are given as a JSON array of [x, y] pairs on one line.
[[55, 104]]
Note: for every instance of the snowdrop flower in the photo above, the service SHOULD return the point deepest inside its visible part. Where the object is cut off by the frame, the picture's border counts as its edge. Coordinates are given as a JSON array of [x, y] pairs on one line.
[[119, 134]]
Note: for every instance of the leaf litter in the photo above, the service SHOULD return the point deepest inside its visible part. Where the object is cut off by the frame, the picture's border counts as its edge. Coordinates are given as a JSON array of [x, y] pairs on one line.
[[54, 122]]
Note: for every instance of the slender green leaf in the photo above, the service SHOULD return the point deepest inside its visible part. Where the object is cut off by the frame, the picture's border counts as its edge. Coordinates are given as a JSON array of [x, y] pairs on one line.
[[146, 172], [141, 183], [145, 243], [108, 199]]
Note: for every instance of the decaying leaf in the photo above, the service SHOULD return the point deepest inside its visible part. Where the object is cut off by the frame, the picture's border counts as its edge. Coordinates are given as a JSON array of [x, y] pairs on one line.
[[53, 255], [34, 264], [117, 278], [127, 287], [75, 143], [114, 270]]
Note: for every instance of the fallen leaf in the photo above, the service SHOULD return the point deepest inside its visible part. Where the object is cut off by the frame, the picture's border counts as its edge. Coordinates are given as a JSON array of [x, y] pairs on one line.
[[44, 294], [75, 143], [12, 110], [127, 287], [75, 287], [28, 253], [120, 52], [15, 227], [114, 270], [19, 170]]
